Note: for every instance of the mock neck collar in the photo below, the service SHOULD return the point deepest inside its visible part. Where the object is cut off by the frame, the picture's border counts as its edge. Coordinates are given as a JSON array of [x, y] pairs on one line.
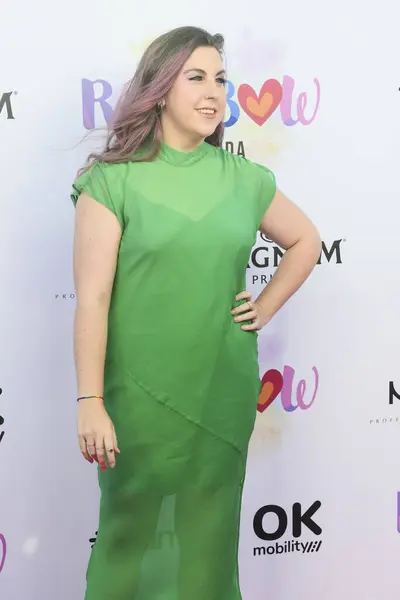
[[183, 159]]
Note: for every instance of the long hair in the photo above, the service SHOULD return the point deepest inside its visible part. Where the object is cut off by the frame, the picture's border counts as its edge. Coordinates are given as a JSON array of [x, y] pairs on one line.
[[136, 123]]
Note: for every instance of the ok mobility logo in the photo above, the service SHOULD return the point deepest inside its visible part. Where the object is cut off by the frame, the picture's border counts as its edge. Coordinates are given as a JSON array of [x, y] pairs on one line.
[[6, 105], [298, 519]]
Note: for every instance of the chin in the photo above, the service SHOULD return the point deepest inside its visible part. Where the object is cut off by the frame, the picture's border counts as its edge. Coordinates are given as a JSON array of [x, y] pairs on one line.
[[205, 131]]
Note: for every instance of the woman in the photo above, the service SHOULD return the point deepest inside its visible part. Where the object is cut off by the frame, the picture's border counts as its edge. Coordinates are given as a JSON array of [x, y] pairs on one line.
[[165, 222]]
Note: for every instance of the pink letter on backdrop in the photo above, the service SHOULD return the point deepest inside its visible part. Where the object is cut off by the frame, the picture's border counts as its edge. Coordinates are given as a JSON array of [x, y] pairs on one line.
[[301, 390], [287, 101], [3, 551]]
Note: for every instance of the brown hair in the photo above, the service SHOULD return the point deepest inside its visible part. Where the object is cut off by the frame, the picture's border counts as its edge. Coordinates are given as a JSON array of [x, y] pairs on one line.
[[136, 119]]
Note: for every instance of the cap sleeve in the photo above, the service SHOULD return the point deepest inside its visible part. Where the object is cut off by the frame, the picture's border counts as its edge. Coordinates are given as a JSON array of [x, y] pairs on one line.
[[267, 190], [97, 182]]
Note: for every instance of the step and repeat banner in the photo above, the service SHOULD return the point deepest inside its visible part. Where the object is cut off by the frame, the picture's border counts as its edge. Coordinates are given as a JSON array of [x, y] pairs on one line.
[[314, 94]]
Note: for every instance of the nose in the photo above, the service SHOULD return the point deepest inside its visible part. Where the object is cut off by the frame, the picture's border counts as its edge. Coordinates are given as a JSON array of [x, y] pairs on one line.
[[213, 90]]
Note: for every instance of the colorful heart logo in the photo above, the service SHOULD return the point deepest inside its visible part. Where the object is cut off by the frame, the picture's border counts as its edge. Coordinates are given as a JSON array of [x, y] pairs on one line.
[[271, 385], [260, 108]]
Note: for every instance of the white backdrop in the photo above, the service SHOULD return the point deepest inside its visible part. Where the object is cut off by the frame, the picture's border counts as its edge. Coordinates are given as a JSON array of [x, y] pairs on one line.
[[334, 346]]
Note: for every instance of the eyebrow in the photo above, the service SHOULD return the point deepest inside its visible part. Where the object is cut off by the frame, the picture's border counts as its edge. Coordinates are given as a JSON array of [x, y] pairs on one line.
[[222, 72]]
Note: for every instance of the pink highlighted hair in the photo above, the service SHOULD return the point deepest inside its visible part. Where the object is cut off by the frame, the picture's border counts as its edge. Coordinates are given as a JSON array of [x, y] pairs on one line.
[[136, 122]]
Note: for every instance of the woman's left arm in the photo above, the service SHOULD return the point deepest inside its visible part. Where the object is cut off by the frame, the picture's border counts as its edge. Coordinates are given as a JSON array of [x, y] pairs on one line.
[[286, 225]]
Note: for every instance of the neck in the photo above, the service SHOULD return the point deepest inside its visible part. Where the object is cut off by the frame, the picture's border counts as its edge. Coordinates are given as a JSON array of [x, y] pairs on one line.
[[179, 141]]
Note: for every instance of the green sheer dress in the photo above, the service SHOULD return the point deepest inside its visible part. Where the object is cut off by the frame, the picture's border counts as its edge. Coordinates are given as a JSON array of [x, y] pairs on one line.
[[181, 377]]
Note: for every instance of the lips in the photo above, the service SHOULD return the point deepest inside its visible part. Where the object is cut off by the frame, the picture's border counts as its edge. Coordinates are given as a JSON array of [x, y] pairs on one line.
[[207, 111]]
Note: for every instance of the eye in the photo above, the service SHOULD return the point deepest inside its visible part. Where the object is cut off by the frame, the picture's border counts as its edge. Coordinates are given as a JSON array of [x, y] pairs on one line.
[[196, 78], [222, 80]]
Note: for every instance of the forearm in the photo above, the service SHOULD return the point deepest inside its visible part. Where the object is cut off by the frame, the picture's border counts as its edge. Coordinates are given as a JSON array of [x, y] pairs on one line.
[[294, 268], [90, 339]]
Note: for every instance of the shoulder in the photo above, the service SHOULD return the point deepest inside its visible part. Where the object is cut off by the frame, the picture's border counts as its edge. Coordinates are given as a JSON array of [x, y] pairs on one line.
[[108, 177], [111, 172], [101, 171], [104, 182], [244, 165], [259, 180]]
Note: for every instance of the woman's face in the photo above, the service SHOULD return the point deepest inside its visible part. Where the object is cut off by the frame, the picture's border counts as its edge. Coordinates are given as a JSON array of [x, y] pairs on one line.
[[195, 105]]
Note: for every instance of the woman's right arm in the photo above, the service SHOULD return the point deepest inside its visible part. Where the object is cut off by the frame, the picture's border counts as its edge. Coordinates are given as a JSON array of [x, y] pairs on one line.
[[96, 243]]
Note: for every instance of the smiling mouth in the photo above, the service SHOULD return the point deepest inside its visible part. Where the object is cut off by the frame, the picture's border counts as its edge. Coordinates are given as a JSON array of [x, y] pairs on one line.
[[206, 111]]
